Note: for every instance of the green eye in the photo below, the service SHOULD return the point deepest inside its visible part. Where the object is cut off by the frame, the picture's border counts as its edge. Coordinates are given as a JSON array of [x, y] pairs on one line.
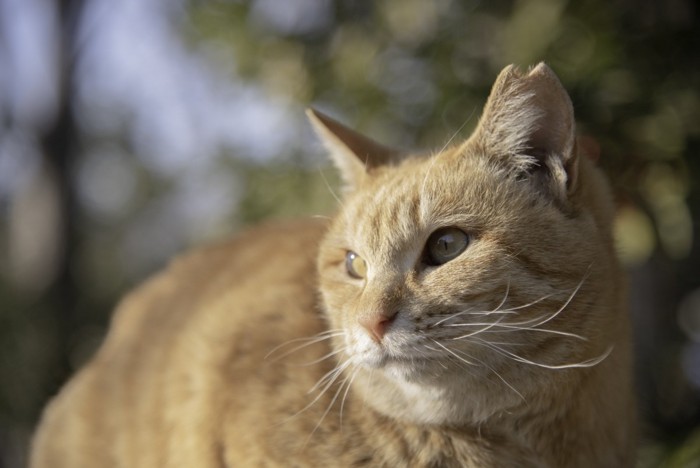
[[356, 266], [444, 245]]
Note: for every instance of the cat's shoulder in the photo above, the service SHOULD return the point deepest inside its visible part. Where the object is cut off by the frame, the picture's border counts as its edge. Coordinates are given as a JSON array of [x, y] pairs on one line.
[[281, 240], [258, 249]]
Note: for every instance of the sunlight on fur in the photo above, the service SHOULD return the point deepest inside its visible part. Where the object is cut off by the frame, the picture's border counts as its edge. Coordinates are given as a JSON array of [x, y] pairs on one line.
[[463, 308]]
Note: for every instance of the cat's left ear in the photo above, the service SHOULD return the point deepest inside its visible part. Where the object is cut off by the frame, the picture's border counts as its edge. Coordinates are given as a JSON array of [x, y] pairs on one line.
[[353, 153], [528, 123]]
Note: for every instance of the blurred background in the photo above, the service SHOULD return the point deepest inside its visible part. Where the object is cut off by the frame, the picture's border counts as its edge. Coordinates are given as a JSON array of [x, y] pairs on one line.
[[133, 129]]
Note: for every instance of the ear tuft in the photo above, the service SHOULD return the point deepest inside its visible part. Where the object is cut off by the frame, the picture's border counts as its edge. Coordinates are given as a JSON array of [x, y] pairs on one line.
[[353, 153]]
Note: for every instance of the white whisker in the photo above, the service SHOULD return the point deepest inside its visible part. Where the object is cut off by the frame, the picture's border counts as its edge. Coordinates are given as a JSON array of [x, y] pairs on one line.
[[470, 312], [450, 317], [510, 310], [481, 330], [453, 353], [307, 341], [328, 409], [434, 159], [490, 312], [334, 374], [497, 375], [345, 396], [587, 363], [530, 304], [330, 189], [508, 327], [540, 321], [329, 377], [324, 357], [505, 297]]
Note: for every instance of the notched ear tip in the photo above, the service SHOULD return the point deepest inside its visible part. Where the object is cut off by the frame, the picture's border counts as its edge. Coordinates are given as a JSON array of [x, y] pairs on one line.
[[529, 117], [540, 69], [533, 74], [505, 78], [544, 75], [511, 69], [514, 80]]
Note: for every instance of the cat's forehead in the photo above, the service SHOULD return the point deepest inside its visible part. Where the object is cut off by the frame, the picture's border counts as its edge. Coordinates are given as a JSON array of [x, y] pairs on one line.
[[400, 203], [387, 206]]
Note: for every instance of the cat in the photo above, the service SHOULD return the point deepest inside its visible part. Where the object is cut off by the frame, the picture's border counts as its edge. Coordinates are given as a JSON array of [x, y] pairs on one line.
[[464, 308]]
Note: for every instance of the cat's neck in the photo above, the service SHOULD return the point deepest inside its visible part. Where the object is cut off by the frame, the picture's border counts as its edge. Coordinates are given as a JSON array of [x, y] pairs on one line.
[[443, 400], [569, 414]]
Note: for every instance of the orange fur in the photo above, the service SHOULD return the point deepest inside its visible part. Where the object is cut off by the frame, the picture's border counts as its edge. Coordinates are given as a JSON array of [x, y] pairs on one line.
[[514, 353]]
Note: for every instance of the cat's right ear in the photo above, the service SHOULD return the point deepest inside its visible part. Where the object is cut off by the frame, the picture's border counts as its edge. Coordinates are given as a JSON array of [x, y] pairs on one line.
[[353, 153]]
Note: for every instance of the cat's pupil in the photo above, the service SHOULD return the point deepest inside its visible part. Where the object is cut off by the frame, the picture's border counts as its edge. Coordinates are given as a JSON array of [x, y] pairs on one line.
[[444, 245]]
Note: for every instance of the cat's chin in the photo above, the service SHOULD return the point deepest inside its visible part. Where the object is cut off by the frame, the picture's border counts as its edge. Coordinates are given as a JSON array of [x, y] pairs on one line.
[[411, 390], [402, 368], [394, 358], [407, 370]]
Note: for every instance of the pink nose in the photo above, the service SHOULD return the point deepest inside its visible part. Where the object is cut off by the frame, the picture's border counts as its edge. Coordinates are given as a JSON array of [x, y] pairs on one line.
[[376, 324]]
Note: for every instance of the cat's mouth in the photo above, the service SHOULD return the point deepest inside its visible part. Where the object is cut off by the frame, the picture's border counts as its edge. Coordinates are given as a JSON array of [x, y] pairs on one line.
[[397, 350], [382, 358]]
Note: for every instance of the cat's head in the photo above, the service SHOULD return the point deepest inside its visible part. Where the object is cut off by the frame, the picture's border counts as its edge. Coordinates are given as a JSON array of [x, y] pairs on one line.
[[480, 267]]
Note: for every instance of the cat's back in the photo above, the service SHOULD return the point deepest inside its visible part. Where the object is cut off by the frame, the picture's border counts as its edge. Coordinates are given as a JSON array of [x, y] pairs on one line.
[[170, 352]]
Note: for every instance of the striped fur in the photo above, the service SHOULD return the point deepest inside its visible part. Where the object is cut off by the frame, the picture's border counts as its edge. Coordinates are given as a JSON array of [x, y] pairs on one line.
[[516, 353]]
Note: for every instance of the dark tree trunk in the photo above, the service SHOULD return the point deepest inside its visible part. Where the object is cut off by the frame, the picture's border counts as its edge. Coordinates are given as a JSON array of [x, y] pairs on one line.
[[60, 144]]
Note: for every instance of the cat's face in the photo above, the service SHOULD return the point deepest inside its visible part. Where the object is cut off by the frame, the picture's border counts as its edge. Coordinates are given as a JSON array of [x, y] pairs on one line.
[[465, 266], [444, 259]]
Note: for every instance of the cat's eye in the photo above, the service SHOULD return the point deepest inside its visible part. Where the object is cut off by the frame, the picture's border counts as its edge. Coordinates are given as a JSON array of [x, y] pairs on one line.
[[444, 245], [355, 265]]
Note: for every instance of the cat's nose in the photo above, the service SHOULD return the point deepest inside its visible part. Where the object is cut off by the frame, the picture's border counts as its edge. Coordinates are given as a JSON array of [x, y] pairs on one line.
[[376, 324]]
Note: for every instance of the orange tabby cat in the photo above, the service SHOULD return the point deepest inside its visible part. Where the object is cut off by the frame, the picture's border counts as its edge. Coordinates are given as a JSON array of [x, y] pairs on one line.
[[464, 308]]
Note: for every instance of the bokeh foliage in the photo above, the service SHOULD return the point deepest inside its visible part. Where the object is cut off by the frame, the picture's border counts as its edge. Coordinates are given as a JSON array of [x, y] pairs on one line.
[[413, 74]]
